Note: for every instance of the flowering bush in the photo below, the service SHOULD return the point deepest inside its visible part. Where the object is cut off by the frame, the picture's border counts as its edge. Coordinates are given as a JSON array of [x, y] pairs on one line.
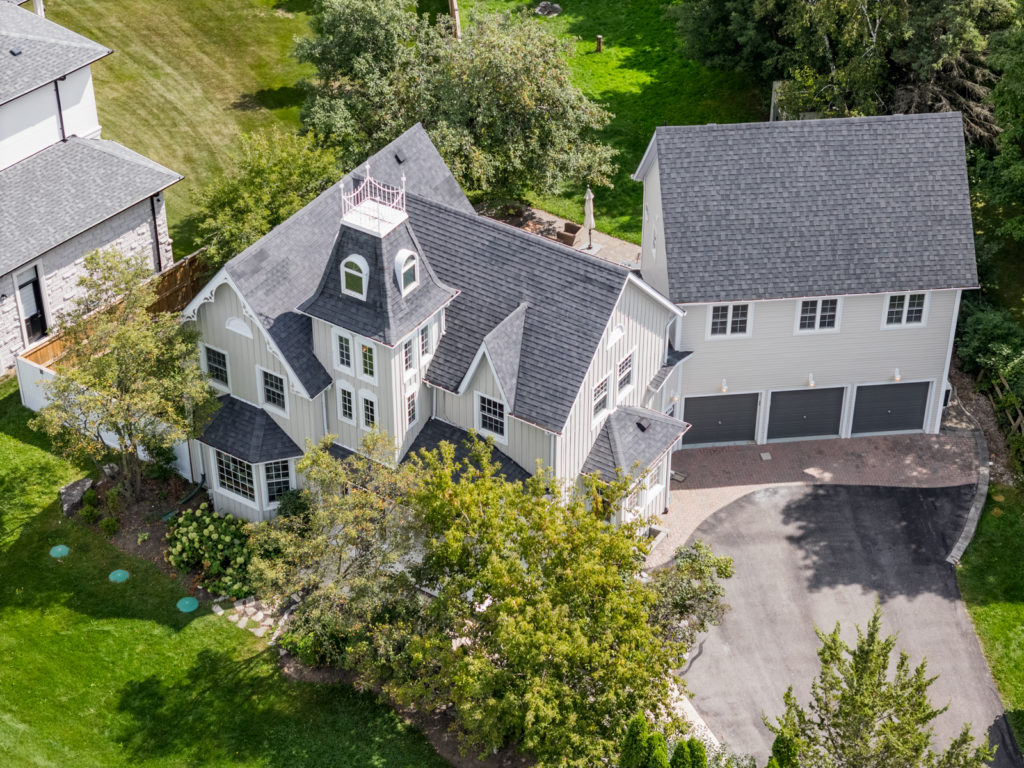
[[200, 539]]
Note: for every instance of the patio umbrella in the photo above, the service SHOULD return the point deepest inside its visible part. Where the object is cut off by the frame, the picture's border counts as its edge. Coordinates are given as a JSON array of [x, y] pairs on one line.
[[588, 216]]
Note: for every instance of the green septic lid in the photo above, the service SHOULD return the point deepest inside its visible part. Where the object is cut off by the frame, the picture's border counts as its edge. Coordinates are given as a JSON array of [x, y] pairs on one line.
[[187, 604], [118, 576], [59, 551]]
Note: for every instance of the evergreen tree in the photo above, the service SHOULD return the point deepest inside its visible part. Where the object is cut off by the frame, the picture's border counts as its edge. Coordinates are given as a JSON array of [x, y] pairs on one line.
[[698, 754], [681, 755], [657, 751], [633, 753]]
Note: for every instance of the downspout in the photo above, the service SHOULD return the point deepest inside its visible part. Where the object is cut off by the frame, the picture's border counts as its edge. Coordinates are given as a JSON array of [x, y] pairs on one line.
[[60, 109], [156, 236], [323, 409]]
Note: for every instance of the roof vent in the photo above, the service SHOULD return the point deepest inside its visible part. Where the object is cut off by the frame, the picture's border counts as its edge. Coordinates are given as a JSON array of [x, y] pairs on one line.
[[15, 51], [399, 156], [643, 424]]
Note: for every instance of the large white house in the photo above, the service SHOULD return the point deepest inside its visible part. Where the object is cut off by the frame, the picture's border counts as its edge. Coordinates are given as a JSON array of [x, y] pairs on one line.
[[820, 265], [63, 190], [798, 280]]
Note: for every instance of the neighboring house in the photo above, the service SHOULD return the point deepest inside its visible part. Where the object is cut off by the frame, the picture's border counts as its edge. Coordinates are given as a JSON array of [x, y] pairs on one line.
[[63, 190], [820, 265], [388, 302]]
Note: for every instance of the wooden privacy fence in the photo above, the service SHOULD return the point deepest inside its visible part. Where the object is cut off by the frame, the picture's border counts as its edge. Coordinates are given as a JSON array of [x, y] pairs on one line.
[[174, 290], [1013, 414]]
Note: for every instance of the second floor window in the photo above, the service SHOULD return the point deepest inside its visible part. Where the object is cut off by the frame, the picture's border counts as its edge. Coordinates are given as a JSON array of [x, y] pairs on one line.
[[344, 352], [217, 366], [729, 319], [407, 355], [410, 409], [492, 416], [369, 413], [367, 359], [905, 309], [818, 315], [273, 390], [601, 397], [346, 403], [425, 341], [626, 373]]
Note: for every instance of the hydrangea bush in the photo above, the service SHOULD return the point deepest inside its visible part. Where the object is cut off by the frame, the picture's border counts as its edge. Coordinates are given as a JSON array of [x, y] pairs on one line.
[[218, 547]]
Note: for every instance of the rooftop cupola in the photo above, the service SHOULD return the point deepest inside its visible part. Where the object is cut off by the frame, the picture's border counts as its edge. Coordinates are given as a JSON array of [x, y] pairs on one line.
[[373, 207]]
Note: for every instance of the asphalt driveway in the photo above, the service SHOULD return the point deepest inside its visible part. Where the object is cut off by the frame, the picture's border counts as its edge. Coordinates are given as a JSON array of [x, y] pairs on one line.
[[811, 555]]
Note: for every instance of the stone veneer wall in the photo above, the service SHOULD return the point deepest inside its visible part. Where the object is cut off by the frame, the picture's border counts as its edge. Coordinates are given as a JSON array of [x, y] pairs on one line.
[[131, 231]]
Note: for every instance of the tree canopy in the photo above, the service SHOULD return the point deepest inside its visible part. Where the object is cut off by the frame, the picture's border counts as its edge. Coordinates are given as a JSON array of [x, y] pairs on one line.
[[499, 104], [863, 713], [127, 372]]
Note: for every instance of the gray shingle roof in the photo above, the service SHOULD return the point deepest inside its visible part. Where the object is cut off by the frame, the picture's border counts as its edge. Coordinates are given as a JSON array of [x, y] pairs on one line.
[[570, 297], [505, 346], [674, 359], [248, 433], [816, 207], [283, 269], [48, 51], [632, 436], [435, 431], [67, 188]]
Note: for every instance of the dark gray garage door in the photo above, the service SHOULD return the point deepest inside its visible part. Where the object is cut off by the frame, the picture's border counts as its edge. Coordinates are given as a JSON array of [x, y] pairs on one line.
[[890, 407], [805, 413], [720, 419]]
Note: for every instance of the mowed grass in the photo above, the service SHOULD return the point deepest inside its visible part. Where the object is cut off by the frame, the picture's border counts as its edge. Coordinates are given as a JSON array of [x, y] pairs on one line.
[[642, 77], [107, 675], [992, 583], [187, 77]]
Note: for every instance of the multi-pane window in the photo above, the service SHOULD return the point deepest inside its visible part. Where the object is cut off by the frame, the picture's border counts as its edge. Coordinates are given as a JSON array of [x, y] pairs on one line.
[[344, 352], [346, 403], [601, 397], [273, 390], [410, 409], [407, 355], [217, 365], [278, 480], [905, 309], [235, 475], [369, 413], [818, 315], [353, 278], [409, 273], [425, 340], [729, 319], [492, 416], [626, 372], [367, 358]]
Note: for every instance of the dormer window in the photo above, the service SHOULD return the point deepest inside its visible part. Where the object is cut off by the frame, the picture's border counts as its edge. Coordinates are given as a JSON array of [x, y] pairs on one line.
[[407, 270], [354, 274]]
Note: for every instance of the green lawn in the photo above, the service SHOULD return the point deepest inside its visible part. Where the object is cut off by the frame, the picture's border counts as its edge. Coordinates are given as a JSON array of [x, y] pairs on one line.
[[100, 674], [187, 77], [992, 584]]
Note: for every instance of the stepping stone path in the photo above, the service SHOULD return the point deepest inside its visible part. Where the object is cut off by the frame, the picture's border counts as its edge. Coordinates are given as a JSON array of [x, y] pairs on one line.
[[256, 616]]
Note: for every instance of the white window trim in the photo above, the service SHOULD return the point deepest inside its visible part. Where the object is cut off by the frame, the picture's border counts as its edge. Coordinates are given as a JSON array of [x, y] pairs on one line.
[[266, 489], [904, 325], [357, 348], [432, 344], [414, 395], [355, 258], [218, 385], [400, 258], [798, 331], [260, 391], [600, 415], [503, 439], [620, 395], [22, 332], [363, 396], [729, 334], [409, 374], [350, 369], [355, 404], [254, 503]]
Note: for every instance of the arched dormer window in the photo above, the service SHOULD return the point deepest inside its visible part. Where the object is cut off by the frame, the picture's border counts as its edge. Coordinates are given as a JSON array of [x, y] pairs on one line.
[[407, 270], [354, 276]]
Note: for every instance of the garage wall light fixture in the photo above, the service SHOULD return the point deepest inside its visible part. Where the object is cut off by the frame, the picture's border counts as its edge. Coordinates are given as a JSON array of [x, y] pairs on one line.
[[725, 387], [810, 379], [896, 375]]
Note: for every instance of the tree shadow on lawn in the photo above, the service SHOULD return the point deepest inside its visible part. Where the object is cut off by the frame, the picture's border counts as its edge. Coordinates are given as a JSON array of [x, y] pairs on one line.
[[282, 97], [224, 709]]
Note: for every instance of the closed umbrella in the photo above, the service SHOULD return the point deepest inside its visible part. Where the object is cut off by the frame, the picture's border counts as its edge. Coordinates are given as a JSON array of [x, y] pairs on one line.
[[588, 217]]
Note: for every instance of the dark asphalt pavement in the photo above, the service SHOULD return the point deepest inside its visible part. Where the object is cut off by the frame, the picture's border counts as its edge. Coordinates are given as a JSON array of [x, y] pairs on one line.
[[815, 555]]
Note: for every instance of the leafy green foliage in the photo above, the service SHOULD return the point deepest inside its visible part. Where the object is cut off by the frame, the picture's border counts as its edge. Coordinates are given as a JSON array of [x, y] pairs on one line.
[[293, 503], [109, 526], [861, 713], [680, 755], [161, 462], [499, 104], [1003, 177], [698, 753], [987, 333], [218, 547], [784, 752], [90, 498], [128, 372], [89, 514], [112, 501], [691, 587], [270, 176], [635, 748], [657, 751]]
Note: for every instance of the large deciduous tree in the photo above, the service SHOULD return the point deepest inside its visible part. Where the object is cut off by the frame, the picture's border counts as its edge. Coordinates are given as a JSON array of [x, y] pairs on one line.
[[499, 104], [127, 372], [861, 713]]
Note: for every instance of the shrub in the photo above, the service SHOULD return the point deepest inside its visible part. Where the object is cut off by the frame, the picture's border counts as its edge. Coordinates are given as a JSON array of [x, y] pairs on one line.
[[316, 633], [633, 753], [698, 755], [161, 464], [217, 546], [113, 501], [109, 526], [985, 330], [293, 503], [90, 498], [89, 514], [681, 755], [657, 751], [784, 751]]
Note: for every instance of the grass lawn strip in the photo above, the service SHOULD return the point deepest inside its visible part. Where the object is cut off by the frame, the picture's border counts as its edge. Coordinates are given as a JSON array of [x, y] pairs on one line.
[[992, 583], [104, 674]]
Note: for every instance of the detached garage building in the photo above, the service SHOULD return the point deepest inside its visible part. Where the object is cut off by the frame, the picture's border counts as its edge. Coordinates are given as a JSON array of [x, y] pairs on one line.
[[820, 264]]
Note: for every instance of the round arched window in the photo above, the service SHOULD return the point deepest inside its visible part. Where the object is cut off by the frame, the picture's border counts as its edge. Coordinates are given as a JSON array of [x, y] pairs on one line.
[[354, 273]]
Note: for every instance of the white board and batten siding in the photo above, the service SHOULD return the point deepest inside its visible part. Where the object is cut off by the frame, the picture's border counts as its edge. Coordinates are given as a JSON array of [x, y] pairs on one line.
[[639, 324], [775, 356]]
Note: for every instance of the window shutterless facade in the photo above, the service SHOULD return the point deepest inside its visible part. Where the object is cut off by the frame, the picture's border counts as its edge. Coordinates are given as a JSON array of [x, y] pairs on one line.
[[217, 365], [409, 273], [279, 479], [236, 476], [344, 352], [273, 390], [369, 412], [625, 380], [492, 415], [368, 361], [410, 409], [425, 341], [818, 315], [729, 320], [601, 397], [903, 309], [354, 274], [408, 355], [346, 404]]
